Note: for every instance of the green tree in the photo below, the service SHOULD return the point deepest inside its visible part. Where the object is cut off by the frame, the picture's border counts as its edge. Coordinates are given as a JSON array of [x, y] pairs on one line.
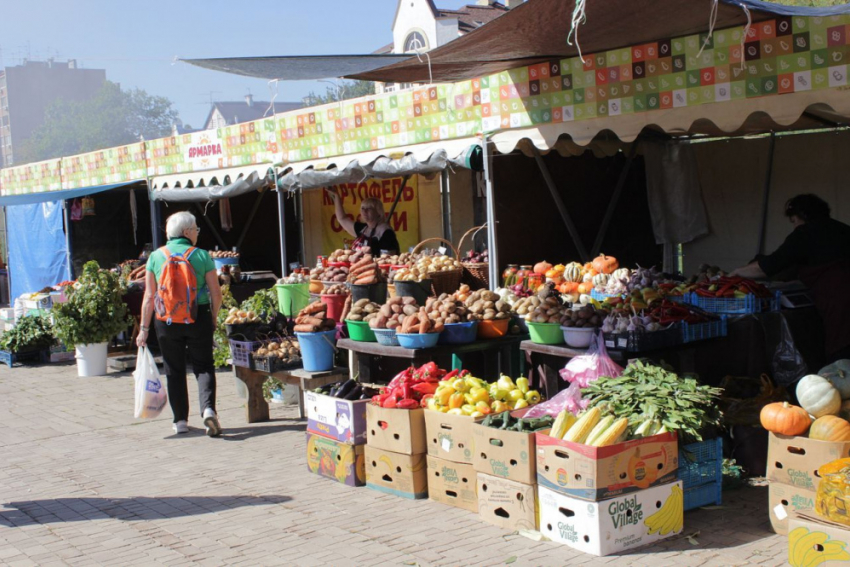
[[346, 90], [112, 118]]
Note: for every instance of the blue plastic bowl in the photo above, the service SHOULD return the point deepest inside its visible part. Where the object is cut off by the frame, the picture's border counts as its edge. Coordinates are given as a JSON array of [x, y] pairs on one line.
[[418, 340], [459, 333]]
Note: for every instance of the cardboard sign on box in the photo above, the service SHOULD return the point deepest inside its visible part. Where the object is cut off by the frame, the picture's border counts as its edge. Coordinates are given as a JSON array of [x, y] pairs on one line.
[[506, 454], [449, 436], [455, 484], [397, 474], [396, 430], [794, 460], [610, 526], [785, 500], [596, 473], [338, 461], [342, 420], [813, 540], [507, 504]]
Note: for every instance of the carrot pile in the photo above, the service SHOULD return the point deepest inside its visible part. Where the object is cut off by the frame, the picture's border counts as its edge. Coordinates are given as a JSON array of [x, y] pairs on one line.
[[313, 319], [365, 271]]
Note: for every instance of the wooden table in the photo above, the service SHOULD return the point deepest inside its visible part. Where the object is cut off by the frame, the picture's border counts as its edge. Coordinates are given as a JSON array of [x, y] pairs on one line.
[[257, 408], [370, 358]]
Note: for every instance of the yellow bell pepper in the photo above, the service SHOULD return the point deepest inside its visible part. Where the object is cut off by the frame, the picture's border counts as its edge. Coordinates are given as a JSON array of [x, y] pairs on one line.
[[515, 395], [505, 383], [522, 384], [460, 385], [532, 397], [456, 400], [468, 409], [478, 395], [455, 411], [520, 404], [483, 408]]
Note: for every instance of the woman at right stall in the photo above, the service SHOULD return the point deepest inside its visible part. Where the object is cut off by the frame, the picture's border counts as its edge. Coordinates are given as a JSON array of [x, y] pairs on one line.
[[819, 247], [374, 231]]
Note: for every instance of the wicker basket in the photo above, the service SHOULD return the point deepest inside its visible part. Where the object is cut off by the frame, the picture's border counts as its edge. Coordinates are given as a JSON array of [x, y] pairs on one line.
[[475, 274], [443, 282]]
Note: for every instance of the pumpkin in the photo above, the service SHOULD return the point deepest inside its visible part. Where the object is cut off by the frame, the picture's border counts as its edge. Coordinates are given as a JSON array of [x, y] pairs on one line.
[[621, 274], [587, 278], [601, 280], [572, 273], [818, 396], [838, 374], [605, 264], [830, 428], [785, 419], [542, 267], [559, 268], [568, 287], [554, 274], [585, 287]]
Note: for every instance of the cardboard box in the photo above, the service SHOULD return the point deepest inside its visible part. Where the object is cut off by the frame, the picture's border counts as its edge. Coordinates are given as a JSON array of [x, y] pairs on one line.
[[395, 473], [597, 473], [813, 540], [795, 460], [506, 454], [611, 526], [449, 436], [785, 500], [455, 484], [333, 418], [507, 504], [338, 461], [40, 301], [396, 430], [7, 314]]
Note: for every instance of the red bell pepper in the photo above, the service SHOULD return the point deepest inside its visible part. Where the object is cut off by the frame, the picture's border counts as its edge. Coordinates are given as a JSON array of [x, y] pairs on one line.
[[425, 387], [390, 402], [424, 402], [407, 404]]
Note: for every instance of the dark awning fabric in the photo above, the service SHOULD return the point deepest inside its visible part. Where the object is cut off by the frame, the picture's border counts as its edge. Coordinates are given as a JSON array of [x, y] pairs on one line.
[[65, 194], [298, 67], [785, 10], [213, 185]]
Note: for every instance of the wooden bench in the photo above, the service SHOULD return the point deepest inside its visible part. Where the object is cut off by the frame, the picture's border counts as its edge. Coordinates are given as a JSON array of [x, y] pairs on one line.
[[257, 408]]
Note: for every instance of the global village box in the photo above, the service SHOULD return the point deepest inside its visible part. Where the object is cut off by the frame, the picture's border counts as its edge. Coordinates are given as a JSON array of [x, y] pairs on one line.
[[795, 460], [614, 525], [341, 462], [343, 420], [396, 473], [454, 484]]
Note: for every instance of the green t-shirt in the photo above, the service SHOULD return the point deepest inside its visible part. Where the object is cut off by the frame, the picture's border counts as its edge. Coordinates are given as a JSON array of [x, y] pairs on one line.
[[200, 260]]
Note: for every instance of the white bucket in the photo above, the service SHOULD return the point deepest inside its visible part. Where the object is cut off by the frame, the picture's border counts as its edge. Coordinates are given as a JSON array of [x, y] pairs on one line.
[[91, 360]]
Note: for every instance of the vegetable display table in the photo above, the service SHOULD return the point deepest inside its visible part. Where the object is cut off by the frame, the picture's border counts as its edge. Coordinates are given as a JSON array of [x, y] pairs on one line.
[[257, 408], [371, 365]]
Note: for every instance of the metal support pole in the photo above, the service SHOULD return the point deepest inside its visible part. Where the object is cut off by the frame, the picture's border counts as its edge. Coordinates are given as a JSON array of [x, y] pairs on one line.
[[491, 216], [299, 215], [281, 217], [211, 226], [559, 203], [157, 239], [445, 194], [766, 194], [251, 216], [404, 181], [67, 217], [615, 198]]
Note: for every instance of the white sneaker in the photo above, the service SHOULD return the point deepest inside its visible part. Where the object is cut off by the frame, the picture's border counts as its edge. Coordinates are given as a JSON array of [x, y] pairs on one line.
[[211, 423], [181, 427]]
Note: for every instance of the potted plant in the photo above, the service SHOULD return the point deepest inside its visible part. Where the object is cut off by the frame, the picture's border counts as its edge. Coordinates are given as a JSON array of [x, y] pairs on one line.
[[93, 314]]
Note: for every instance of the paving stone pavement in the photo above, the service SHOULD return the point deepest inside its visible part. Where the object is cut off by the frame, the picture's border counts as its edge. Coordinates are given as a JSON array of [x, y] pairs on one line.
[[84, 483]]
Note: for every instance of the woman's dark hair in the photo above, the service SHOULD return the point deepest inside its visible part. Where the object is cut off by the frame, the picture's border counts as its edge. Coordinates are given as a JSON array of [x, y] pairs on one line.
[[807, 207]]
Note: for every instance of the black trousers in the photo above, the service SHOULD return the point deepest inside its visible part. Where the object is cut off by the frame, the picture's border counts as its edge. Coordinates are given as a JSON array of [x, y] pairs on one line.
[[174, 341]]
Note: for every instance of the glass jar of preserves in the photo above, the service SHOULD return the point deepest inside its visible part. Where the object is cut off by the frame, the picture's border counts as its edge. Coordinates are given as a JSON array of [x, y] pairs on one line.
[[509, 275]]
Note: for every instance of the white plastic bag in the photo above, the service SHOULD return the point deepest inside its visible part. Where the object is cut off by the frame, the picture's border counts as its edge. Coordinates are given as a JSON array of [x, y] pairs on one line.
[[150, 392]]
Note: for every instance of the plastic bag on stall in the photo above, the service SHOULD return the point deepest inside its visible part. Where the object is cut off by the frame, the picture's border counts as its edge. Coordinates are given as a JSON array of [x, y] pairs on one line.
[[580, 371], [788, 363], [150, 392]]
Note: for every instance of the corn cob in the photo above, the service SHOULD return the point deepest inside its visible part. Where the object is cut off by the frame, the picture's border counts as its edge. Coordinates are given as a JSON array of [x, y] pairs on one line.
[[581, 428], [612, 434], [562, 423], [599, 429]]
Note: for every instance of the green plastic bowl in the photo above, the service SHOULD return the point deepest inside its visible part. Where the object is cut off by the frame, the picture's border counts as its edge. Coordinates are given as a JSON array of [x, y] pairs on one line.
[[546, 333], [360, 331]]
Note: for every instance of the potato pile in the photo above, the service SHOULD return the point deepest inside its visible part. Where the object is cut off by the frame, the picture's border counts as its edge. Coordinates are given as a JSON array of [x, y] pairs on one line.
[[407, 275], [313, 319], [364, 310], [336, 289], [294, 279], [238, 317], [391, 315], [223, 254], [449, 309], [289, 353], [351, 256], [442, 263], [420, 323], [403, 259], [330, 274], [486, 305], [586, 316], [365, 271], [549, 310]]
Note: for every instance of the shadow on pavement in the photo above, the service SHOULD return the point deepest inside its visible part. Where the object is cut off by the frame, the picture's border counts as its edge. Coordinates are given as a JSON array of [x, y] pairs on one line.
[[260, 429], [60, 510]]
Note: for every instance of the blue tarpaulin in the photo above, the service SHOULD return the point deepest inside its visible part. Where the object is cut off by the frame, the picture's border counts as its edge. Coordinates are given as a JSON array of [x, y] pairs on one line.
[[38, 255], [30, 198]]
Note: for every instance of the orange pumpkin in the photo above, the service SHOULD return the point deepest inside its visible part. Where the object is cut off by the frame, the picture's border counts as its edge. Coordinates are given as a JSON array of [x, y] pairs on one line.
[[585, 287], [830, 428], [542, 267], [785, 419], [568, 287], [559, 267], [553, 273], [605, 264]]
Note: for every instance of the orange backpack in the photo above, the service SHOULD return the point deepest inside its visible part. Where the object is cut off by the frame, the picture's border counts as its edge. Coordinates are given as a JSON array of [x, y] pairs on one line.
[[177, 289]]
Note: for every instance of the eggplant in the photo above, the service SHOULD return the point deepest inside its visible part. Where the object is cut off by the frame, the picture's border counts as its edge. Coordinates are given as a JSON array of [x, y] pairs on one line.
[[355, 393], [346, 388]]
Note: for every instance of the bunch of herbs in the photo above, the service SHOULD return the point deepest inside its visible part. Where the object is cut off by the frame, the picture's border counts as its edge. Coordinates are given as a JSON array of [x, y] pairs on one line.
[[33, 332]]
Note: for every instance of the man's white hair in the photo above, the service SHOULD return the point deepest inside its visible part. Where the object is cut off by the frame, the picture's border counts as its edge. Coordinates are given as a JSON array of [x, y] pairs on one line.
[[178, 222]]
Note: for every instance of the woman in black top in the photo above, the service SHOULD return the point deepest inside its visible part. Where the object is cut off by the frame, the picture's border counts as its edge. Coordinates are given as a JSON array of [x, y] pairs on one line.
[[819, 247], [374, 231]]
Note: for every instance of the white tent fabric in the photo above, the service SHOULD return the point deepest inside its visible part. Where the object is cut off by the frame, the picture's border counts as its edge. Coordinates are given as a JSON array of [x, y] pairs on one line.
[[211, 185]]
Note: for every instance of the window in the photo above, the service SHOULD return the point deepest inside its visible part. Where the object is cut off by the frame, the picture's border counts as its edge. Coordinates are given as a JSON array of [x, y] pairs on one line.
[[415, 41]]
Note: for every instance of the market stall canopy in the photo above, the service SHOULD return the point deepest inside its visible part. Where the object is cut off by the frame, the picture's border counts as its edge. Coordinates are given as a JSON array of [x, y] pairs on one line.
[[212, 185], [381, 164], [298, 67], [60, 195]]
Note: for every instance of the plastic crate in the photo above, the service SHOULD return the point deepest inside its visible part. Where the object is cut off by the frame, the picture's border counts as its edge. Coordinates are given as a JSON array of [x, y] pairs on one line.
[[642, 341], [272, 364], [704, 331], [35, 357], [705, 495], [601, 296], [241, 352], [734, 305], [701, 463]]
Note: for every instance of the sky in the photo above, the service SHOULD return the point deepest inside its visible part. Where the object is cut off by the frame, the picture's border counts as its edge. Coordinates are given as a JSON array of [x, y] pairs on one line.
[[137, 42]]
